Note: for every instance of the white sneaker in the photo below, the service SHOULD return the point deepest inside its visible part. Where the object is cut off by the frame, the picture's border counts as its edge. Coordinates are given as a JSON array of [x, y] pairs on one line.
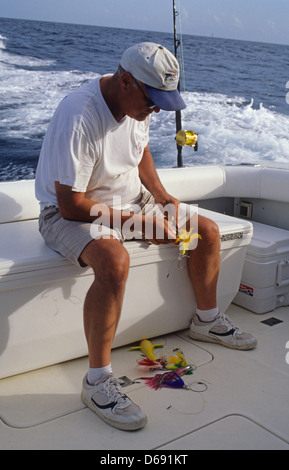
[[221, 331], [108, 401]]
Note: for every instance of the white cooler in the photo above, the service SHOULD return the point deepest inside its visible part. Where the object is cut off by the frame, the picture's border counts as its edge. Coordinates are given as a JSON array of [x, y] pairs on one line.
[[265, 279]]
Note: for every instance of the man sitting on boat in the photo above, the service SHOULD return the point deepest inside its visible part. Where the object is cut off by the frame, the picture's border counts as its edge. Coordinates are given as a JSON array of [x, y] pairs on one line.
[[96, 151]]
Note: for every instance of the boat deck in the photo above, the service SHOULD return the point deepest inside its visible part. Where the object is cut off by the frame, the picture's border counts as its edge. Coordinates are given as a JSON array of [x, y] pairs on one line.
[[240, 399]]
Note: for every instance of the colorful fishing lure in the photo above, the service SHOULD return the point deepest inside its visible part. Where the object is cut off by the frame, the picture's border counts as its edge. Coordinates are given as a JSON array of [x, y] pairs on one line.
[[168, 379]]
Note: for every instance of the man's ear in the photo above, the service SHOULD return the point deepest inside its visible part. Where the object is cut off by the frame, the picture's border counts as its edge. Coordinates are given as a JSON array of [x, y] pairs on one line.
[[126, 81]]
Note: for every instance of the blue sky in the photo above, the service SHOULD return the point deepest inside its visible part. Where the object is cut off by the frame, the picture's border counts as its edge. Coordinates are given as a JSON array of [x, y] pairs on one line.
[[254, 20]]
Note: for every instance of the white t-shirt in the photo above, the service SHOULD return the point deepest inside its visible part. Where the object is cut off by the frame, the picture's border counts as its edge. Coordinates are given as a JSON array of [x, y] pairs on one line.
[[87, 149]]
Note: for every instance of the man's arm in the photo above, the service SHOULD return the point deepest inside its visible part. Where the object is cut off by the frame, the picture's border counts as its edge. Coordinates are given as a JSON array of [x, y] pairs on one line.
[[76, 206], [151, 180]]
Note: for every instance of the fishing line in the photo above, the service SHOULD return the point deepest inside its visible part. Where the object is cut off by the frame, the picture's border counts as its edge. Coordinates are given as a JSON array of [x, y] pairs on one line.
[[198, 387], [180, 264], [182, 62]]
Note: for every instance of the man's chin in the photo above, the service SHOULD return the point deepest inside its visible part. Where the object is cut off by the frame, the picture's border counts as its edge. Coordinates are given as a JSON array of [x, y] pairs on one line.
[[142, 117], [139, 117]]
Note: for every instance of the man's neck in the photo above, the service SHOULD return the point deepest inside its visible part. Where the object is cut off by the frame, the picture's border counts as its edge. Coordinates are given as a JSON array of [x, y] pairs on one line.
[[109, 90]]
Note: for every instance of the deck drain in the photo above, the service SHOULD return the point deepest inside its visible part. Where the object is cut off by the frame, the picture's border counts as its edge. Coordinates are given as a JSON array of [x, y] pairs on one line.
[[272, 321]]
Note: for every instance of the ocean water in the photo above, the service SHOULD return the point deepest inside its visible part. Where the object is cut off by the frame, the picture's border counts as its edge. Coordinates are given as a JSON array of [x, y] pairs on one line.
[[235, 92]]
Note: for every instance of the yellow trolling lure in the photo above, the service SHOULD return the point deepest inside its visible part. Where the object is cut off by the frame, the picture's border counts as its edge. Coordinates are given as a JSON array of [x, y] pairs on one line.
[[147, 348], [185, 240], [176, 362]]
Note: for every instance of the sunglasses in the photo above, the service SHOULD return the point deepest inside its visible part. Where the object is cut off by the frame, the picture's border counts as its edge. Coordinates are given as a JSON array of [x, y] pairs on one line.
[[149, 102]]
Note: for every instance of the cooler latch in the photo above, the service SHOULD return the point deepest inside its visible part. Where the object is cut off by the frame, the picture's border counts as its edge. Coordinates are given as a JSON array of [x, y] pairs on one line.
[[232, 236], [282, 273]]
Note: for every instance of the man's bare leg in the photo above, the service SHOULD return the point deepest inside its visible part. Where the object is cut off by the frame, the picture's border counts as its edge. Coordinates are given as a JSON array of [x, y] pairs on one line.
[[209, 324], [102, 309], [103, 303], [204, 264]]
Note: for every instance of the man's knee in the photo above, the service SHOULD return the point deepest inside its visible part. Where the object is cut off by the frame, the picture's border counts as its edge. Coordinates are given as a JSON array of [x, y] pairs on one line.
[[109, 260], [209, 231], [116, 268]]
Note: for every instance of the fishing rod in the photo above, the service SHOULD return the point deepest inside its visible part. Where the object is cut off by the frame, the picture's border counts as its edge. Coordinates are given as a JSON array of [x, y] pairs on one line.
[[183, 138], [178, 113]]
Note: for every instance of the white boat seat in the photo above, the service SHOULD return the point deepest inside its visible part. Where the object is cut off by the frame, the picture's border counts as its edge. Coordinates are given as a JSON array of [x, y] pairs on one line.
[[23, 249], [209, 182], [256, 182]]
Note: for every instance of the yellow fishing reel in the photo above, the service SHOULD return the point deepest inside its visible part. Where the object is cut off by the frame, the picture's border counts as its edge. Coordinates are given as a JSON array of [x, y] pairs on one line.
[[187, 139]]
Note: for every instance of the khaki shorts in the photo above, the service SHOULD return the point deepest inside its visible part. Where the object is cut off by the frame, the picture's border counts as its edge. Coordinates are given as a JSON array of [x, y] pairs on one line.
[[69, 237]]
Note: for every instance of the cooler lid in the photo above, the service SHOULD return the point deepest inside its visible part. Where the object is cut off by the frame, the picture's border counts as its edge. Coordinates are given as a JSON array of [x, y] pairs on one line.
[[31, 254], [268, 241], [230, 227]]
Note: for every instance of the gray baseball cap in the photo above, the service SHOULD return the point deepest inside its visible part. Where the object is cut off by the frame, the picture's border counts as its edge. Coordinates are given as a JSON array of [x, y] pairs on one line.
[[156, 67]]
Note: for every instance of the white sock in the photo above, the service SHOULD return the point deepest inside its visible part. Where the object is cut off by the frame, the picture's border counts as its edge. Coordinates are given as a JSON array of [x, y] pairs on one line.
[[96, 374], [208, 315]]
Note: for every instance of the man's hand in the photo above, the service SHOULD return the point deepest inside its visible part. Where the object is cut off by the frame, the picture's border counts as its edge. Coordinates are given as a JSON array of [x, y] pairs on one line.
[[158, 230], [171, 207]]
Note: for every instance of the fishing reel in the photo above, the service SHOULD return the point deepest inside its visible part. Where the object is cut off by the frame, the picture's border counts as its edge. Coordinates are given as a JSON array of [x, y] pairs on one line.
[[187, 139]]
